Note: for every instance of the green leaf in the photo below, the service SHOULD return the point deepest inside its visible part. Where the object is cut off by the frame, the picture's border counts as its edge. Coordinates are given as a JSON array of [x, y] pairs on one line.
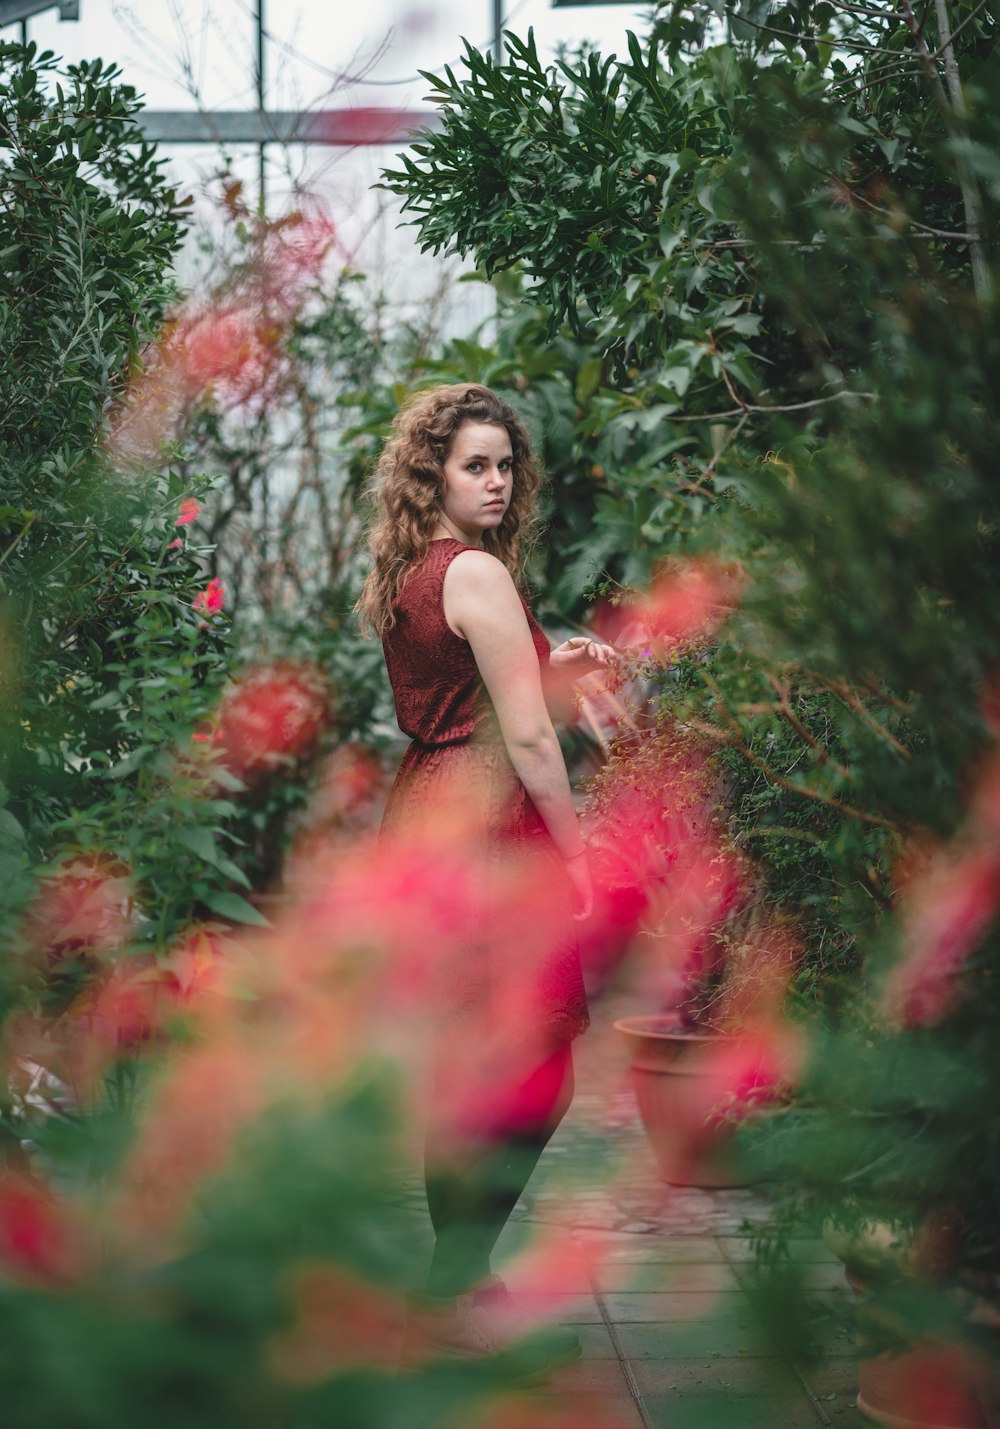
[[130, 764], [10, 830], [234, 908], [588, 380], [200, 841]]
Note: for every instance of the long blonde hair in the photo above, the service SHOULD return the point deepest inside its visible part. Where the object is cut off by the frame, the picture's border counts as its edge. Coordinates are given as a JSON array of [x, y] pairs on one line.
[[408, 484]]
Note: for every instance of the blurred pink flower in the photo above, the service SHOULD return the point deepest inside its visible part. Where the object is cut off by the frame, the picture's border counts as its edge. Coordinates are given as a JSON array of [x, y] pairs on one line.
[[211, 600], [686, 600], [272, 716], [298, 246], [190, 509], [232, 347], [38, 1239], [751, 1069], [85, 905], [944, 917], [207, 1093]]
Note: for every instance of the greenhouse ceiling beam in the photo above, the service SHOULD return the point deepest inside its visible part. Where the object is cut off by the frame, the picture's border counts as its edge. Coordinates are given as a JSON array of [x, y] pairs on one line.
[[13, 10], [348, 127]]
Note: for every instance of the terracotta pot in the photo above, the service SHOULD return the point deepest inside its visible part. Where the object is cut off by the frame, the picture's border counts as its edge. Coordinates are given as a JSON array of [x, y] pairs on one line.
[[931, 1386], [934, 1384], [684, 1089]]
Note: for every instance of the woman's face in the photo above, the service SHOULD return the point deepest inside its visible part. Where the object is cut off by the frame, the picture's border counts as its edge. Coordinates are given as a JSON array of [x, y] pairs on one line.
[[479, 479]]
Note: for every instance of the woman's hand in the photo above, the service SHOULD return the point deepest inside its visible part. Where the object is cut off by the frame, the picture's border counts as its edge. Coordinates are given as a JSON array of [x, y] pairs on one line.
[[581, 886], [580, 655]]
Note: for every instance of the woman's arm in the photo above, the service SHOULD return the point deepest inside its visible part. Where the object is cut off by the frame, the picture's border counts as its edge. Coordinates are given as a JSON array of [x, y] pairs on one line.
[[482, 606]]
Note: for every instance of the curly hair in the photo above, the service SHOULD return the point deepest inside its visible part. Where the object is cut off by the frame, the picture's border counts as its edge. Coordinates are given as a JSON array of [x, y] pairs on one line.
[[408, 483]]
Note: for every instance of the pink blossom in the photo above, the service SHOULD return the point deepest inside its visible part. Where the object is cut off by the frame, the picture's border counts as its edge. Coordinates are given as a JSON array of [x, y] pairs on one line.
[[232, 347], [945, 916], [687, 600], [212, 598], [40, 1238], [85, 904], [304, 242], [190, 509], [273, 715]]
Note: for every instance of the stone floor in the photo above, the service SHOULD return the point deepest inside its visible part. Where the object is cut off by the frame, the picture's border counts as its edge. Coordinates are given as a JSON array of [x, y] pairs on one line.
[[660, 1283]]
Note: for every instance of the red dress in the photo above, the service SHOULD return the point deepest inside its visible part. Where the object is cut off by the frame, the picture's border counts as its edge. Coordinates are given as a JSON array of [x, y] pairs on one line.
[[520, 954]]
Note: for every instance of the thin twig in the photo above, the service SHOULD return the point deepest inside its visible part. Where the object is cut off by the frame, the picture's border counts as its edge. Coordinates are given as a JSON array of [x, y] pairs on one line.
[[853, 46], [882, 78], [785, 407], [32, 518], [847, 697], [709, 470], [722, 737], [791, 718], [866, 10]]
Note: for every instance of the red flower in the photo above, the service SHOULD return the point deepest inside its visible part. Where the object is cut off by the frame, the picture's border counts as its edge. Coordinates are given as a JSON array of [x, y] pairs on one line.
[[211, 600], [945, 916], [685, 601], [273, 716], [121, 1009], [190, 509], [933, 1383], [230, 347], [37, 1241]]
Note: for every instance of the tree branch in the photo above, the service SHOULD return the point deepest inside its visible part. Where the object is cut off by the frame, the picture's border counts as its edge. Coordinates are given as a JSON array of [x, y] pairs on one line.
[[942, 49], [853, 46], [954, 115], [846, 695], [748, 407]]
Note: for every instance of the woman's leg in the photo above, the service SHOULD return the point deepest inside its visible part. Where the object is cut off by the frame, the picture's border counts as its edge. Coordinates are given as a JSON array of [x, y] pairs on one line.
[[472, 1191]]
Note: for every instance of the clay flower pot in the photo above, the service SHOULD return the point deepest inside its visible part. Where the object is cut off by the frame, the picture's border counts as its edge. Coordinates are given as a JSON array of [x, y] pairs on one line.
[[688, 1087], [933, 1384]]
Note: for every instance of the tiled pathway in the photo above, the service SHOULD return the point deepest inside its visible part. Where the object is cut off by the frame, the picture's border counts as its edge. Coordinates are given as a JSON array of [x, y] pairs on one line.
[[659, 1280]]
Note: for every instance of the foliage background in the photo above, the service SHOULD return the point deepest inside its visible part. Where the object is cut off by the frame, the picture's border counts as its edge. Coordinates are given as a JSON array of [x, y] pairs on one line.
[[773, 227], [747, 307]]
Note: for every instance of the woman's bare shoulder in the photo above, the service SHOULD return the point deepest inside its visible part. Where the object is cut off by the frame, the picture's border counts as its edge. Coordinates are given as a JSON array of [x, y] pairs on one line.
[[478, 569]]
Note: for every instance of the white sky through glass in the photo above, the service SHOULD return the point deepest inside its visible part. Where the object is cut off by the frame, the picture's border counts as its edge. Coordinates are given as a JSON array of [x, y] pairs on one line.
[[322, 54]]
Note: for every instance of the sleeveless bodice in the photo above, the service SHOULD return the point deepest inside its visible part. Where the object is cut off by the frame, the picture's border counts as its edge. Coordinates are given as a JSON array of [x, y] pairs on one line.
[[439, 694]]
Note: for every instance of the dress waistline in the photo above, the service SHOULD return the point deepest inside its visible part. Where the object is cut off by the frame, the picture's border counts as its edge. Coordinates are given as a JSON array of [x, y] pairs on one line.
[[422, 744]]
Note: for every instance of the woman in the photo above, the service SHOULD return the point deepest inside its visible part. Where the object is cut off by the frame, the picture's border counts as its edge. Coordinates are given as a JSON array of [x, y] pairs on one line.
[[455, 495]]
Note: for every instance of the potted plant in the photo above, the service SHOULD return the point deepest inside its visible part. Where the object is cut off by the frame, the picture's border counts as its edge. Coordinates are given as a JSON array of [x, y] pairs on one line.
[[712, 962]]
